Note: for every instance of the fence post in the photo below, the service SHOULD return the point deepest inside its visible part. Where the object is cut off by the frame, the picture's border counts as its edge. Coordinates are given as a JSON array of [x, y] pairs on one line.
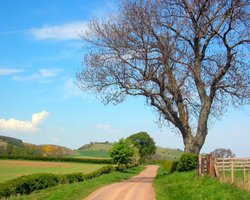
[[212, 170], [208, 164], [201, 171], [244, 174], [223, 168], [232, 171]]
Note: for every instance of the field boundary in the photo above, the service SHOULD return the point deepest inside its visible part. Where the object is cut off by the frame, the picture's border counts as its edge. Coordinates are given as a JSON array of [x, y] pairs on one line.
[[59, 159]]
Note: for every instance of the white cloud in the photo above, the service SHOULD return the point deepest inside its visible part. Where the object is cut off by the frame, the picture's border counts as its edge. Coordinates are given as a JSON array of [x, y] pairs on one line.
[[48, 72], [59, 32], [40, 75], [24, 126], [6, 71]]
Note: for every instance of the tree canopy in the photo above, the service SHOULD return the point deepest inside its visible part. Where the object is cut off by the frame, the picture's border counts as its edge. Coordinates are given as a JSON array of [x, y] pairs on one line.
[[144, 143], [124, 152], [188, 58]]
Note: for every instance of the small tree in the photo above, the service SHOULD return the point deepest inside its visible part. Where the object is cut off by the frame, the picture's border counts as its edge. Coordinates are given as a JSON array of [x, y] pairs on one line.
[[144, 143], [124, 152]]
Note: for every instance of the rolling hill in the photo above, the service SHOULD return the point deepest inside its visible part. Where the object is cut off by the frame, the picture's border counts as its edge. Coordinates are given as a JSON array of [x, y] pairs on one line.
[[100, 150], [16, 147]]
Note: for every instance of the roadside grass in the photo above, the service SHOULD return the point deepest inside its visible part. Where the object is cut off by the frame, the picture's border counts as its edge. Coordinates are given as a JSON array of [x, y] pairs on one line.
[[10, 169], [188, 185], [241, 179], [80, 190]]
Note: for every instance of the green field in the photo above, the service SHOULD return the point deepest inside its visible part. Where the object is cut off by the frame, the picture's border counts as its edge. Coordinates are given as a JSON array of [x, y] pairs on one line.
[[90, 154], [190, 186], [10, 169]]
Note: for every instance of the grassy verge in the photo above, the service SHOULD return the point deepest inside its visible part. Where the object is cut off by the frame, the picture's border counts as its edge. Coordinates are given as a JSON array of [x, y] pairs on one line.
[[80, 190], [241, 180], [187, 185]]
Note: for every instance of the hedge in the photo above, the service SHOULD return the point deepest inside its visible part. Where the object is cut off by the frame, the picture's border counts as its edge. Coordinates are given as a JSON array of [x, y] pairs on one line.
[[170, 166], [58, 159], [187, 162], [28, 183]]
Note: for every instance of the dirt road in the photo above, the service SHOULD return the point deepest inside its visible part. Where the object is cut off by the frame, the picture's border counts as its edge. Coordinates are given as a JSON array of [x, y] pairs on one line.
[[137, 188]]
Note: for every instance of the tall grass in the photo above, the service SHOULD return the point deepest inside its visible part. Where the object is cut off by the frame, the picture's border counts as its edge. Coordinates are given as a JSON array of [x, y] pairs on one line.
[[241, 180]]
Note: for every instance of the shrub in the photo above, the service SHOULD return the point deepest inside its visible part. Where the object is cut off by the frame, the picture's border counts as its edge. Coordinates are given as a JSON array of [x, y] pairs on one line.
[[187, 162], [74, 177], [170, 166], [27, 184]]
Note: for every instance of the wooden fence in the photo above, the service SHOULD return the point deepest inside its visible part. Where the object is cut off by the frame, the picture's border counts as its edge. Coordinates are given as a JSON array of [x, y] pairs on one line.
[[233, 165], [235, 170]]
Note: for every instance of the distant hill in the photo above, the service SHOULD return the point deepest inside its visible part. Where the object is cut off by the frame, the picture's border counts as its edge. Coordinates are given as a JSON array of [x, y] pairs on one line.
[[16, 147], [100, 149], [97, 146], [168, 153]]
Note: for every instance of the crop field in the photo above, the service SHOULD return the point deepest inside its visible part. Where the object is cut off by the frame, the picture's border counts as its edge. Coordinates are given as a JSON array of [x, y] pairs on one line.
[[90, 154], [10, 169]]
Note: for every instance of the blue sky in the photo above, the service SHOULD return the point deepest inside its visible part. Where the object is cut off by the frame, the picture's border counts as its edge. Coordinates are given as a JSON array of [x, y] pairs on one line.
[[40, 52]]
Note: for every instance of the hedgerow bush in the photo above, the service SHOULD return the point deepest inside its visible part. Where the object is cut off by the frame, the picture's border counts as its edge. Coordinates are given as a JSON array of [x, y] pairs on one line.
[[170, 166], [58, 159], [27, 184], [187, 162]]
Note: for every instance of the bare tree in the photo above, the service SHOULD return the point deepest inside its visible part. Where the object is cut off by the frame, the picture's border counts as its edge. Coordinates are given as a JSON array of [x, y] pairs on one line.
[[189, 58], [223, 153]]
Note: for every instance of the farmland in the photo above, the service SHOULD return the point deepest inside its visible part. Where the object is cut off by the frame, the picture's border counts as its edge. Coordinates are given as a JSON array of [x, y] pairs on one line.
[[10, 169], [90, 154]]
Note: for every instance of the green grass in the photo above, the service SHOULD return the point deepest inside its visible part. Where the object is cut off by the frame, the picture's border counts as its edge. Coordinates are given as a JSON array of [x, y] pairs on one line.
[[238, 178], [10, 169], [188, 185], [90, 154], [79, 190]]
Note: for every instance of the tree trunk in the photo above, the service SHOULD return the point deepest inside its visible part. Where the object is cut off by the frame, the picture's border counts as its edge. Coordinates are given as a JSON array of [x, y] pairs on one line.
[[194, 144]]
